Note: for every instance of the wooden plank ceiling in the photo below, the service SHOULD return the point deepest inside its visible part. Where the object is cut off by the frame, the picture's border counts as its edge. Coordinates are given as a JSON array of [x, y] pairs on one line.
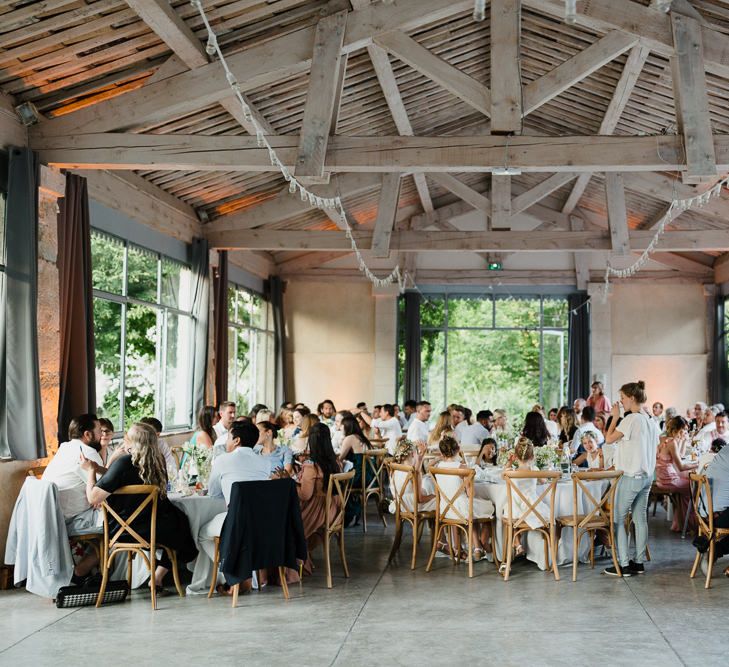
[[66, 55]]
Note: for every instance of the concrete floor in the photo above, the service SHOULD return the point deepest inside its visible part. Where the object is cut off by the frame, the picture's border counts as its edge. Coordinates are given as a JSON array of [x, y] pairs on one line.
[[390, 615]]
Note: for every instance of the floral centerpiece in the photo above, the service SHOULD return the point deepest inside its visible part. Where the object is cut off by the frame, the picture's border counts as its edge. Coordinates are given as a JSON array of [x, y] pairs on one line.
[[506, 458], [546, 458], [198, 461]]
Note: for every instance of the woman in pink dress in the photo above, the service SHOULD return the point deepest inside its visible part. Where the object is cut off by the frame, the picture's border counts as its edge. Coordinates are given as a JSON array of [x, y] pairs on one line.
[[671, 471], [597, 399]]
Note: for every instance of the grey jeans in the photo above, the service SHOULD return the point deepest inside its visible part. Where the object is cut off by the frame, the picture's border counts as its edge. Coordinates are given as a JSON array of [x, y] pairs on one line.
[[631, 496]]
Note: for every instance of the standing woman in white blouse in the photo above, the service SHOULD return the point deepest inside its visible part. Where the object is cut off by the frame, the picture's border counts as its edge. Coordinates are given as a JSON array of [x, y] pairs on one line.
[[636, 440]]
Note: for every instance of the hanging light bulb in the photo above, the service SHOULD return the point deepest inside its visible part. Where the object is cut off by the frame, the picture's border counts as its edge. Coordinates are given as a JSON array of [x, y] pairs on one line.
[[479, 10], [570, 11]]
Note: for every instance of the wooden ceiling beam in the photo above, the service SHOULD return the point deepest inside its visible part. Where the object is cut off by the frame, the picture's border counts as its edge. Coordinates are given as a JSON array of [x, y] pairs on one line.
[[692, 99], [382, 154], [422, 241], [506, 93], [257, 66], [444, 74], [543, 189], [500, 201], [386, 210], [575, 69], [617, 213], [321, 96]]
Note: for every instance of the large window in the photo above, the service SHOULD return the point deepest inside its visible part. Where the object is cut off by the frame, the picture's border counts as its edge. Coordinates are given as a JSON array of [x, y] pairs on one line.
[[143, 334], [491, 352], [250, 349]]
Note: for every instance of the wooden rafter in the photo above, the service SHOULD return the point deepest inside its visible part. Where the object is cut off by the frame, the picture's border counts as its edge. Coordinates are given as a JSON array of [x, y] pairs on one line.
[[500, 201], [386, 210], [506, 93]]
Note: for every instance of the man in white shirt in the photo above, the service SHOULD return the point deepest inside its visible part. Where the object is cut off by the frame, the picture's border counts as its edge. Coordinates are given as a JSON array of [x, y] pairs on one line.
[[409, 409], [474, 434], [388, 426], [65, 472], [226, 410], [458, 420], [578, 406], [418, 430]]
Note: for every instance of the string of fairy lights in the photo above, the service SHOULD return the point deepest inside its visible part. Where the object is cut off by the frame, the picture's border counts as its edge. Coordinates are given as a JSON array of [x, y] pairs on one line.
[[328, 204]]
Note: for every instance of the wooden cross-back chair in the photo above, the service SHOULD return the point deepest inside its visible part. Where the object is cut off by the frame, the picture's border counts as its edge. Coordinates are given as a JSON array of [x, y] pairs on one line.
[[373, 460], [448, 515], [597, 515], [338, 492], [406, 509], [127, 540], [704, 508], [517, 525]]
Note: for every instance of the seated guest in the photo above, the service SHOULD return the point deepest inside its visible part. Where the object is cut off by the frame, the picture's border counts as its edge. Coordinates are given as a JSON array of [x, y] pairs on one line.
[[718, 473], [720, 430], [475, 433], [600, 422], [586, 426], [488, 452], [105, 441], [671, 471], [553, 416], [408, 409], [501, 421], [207, 427], [450, 453], [326, 411], [442, 427], [706, 458], [285, 422], [657, 414], [376, 411], [143, 465], [312, 486], [338, 434], [534, 429], [589, 454], [568, 425], [258, 407], [224, 419], [702, 439], [279, 457], [409, 455], [458, 420], [552, 427], [418, 429], [399, 416], [240, 463], [300, 441], [387, 425], [597, 399], [354, 445], [65, 471], [696, 419], [298, 417], [362, 407], [170, 461]]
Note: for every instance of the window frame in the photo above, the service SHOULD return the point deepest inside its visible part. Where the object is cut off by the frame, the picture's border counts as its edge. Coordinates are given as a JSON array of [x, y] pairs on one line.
[[446, 327], [163, 312]]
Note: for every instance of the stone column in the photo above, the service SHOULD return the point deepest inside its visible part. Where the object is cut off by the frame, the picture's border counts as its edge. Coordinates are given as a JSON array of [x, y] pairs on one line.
[[52, 187], [601, 345], [385, 385]]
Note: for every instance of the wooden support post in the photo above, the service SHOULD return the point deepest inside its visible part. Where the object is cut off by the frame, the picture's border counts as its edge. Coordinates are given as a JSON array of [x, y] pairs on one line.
[[692, 99], [320, 98], [500, 202], [506, 92], [582, 266]]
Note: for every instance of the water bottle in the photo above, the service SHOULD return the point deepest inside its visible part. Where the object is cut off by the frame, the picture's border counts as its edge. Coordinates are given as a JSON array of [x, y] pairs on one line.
[[566, 463]]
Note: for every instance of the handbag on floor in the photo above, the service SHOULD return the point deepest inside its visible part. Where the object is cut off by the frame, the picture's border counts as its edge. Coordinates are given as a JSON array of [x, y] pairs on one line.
[[86, 595]]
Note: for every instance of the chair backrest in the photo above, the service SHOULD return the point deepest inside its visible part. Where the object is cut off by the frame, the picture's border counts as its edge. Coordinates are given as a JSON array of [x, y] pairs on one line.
[[453, 486], [402, 481], [531, 506], [595, 510], [150, 494], [37, 471], [373, 460], [703, 502], [340, 486]]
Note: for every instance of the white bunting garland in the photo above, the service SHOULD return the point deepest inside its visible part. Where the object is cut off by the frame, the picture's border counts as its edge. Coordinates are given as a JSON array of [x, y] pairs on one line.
[[677, 207], [314, 200]]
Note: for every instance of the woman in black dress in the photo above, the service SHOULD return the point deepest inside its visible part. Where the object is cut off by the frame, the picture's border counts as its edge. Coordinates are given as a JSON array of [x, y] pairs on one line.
[[143, 463]]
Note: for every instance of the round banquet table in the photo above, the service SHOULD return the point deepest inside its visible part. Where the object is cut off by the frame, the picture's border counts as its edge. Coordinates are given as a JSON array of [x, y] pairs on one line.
[[491, 486]]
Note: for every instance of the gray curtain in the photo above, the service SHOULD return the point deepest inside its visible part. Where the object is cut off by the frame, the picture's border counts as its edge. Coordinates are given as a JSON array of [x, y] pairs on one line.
[[199, 261], [718, 380], [413, 384], [21, 420], [220, 327], [275, 295], [78, 386], [578, 369]]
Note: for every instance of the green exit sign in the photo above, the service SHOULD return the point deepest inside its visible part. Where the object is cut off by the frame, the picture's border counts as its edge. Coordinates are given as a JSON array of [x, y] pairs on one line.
[[495, 266]]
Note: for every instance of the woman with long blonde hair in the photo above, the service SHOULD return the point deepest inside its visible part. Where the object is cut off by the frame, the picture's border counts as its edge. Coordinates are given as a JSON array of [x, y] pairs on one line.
[[442, 427], [143, 463], [301, 441]]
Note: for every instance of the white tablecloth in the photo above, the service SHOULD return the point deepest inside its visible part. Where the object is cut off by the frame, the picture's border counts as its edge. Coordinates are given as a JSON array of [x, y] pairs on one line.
[[495, 491], [199, 510]]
